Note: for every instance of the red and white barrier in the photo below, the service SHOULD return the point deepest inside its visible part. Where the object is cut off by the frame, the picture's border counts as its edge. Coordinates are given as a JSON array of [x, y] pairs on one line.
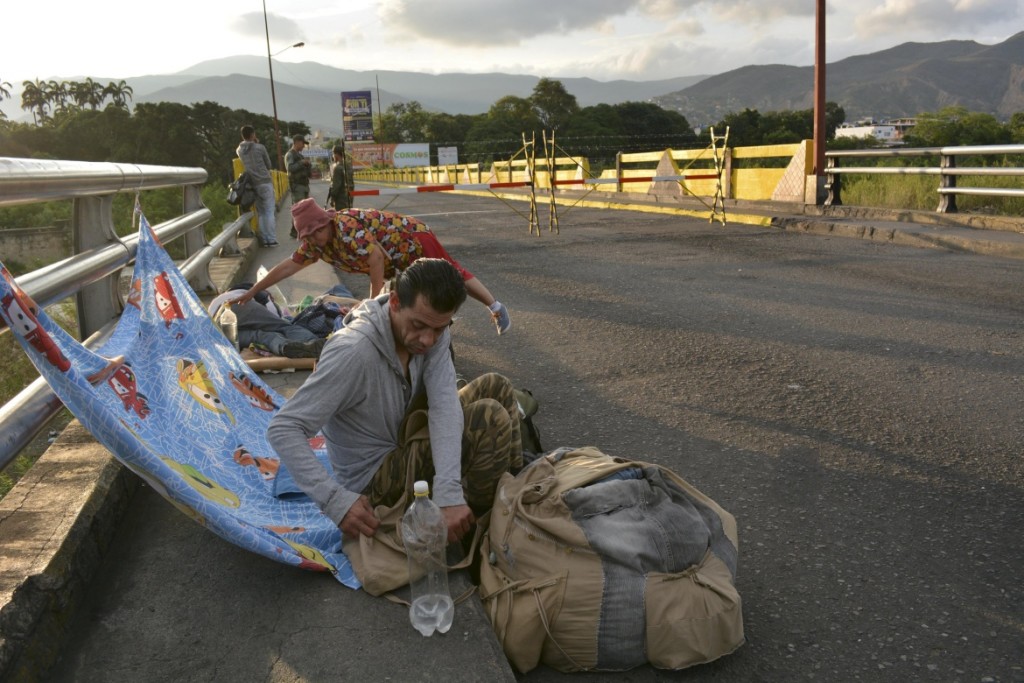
[[437, 188]]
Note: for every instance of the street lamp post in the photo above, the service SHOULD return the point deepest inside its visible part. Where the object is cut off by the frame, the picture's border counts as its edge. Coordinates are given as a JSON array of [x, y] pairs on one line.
[[819, 96], [273, 95]]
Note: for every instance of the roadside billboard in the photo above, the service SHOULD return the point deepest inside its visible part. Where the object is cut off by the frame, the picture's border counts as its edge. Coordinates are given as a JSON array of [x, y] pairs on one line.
[[447, 156], [357, 115], [411, 154], [367, 154], [395, 155]]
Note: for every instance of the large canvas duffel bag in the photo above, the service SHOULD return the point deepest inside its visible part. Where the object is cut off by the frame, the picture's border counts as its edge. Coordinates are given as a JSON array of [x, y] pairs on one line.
[[597, 563]]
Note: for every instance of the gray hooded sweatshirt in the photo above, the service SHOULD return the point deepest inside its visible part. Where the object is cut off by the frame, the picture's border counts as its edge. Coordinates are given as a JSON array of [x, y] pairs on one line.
[[358, 396], [256, 160]]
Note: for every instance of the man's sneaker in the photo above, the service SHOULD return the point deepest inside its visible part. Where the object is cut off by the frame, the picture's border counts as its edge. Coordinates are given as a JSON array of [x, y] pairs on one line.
[[502, 322], [293, 234], [305, 349]]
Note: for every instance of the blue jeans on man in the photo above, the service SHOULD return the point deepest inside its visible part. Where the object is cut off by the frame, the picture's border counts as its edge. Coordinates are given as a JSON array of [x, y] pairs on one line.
[[266, 211], [257, 325]]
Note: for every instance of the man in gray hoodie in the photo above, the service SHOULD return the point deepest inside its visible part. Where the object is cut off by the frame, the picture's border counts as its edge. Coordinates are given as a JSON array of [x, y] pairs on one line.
[[257, 163], [393, 351]]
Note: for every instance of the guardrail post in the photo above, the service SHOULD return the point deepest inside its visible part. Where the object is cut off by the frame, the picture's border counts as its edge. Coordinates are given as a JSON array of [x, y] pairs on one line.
[[727, 170], [833, 184], [92, 226], [947, 202], [618, 171], [195, 240]]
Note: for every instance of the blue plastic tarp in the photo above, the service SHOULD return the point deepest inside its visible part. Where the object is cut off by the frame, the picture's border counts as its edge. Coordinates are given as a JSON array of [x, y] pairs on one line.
[[170, 397]]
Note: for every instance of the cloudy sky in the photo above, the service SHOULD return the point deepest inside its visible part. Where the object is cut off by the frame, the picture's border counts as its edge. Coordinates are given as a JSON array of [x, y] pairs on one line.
[[601, 39]]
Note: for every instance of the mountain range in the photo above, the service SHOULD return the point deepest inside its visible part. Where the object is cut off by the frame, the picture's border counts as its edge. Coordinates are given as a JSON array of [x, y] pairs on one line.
[[902, 81], [310, 92]]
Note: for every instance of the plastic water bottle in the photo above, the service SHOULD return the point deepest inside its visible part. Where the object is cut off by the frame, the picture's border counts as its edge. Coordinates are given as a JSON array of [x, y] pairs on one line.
[[229, 325], [426, 538]]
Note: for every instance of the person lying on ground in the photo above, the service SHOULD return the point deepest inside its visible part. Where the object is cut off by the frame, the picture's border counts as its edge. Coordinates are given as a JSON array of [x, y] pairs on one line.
[[371, 242], [261, 326], [391, 354]]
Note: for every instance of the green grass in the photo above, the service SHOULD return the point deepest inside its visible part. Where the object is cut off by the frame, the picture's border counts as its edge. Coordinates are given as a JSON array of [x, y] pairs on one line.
[[920, 193], [18, 374], [28, 456]]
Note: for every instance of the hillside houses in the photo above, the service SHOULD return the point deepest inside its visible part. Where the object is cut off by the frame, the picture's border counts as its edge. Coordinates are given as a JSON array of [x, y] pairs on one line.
[[889, 132]]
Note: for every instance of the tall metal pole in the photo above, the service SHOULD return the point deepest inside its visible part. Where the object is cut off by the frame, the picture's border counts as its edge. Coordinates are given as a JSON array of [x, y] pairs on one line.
[[380, 119], [273, 96], [819, 89]]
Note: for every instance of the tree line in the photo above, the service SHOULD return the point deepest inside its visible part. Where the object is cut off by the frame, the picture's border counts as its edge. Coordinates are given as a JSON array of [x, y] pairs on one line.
[[75, 121], [89, 122], [955, 126], [44, 97], [595, 132]]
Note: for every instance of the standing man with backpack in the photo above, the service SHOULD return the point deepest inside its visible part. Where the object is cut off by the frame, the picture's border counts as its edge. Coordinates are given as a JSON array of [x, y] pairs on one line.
[[298, 172], [257, 164]]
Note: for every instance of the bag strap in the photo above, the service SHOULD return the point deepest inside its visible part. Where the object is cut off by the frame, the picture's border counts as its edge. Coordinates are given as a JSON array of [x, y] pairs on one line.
[[478, 534], [507, 592], [547, 629], [401, 504]]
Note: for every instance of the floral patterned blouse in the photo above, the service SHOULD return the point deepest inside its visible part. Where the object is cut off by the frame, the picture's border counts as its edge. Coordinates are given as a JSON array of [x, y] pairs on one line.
[[358, 232]]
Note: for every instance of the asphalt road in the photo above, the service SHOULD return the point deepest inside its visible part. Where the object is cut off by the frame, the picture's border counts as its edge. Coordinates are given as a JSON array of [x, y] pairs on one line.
[[856, 405]]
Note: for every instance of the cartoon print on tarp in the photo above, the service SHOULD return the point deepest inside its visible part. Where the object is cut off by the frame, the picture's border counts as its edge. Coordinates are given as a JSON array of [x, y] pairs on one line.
[[166, 301], [256, 395], [20, 314], [195, 381], [267, 467], [170, 397], [122, 381]]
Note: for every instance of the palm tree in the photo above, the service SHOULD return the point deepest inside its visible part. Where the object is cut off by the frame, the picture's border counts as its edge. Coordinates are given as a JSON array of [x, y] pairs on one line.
[[86, 93], [79, 93], [57, 94], [5, 94], [95, 94], [33, 98], [119, 93]]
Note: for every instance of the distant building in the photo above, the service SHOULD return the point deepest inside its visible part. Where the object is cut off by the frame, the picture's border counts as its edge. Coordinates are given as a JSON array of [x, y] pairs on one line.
[[889, 132]]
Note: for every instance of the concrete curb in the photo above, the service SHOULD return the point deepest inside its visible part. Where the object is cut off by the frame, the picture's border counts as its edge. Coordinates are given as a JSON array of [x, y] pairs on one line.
[[992, 243], [54, 528]]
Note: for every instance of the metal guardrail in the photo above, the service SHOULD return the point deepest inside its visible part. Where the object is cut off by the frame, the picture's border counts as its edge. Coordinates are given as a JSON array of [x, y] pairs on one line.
[[756, 182], [947, 170], [91, 273]]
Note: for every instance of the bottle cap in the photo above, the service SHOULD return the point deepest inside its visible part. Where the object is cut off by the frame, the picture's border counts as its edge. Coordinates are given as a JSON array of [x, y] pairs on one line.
[[421, 488]]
